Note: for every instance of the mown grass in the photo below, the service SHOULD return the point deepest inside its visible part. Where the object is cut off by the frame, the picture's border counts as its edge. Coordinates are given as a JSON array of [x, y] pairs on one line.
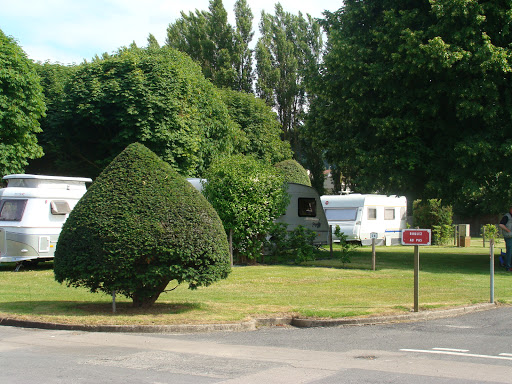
[[449, 276]]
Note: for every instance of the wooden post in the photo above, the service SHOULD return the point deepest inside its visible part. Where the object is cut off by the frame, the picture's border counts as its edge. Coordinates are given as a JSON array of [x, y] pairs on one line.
[[483, 235], [113, 301], [330, 241], [416, 277]]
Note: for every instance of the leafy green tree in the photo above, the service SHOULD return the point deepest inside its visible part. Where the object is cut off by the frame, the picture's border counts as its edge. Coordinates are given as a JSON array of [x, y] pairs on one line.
[[415, 99], [139, 226], [21, 107], [259, 124], [432, 214], [248, 194], [153, 42], [286, 53], [243, 54], [53, 78], [293, 172], [222, 51], [154, 96]]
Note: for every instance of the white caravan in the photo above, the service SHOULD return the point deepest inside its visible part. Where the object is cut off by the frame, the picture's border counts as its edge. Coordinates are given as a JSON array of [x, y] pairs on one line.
[[360, 215], [305, 208], [33, 209]]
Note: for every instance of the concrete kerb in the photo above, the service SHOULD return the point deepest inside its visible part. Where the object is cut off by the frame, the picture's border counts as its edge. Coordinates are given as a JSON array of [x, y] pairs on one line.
[[253, 324]]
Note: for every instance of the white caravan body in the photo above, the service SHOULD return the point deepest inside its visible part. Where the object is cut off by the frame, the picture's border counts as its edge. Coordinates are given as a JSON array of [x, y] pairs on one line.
[[33, 209], [360, 215], [305, 208]]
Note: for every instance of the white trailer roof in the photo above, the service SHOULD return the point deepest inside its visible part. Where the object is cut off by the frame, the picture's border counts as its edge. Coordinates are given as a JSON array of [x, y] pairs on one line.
[[359, 200], [43, 181]]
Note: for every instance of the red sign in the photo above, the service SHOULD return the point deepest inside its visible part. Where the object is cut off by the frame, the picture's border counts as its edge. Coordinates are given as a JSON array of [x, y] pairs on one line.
[[416, 237]]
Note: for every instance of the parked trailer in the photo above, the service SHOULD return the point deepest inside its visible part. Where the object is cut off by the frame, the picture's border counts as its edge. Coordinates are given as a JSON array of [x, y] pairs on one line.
[[305, 208], [33, 209], [360, 215]]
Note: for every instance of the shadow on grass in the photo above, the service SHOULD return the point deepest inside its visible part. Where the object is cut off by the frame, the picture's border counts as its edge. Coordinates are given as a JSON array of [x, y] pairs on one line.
[[78, 308], [42, 266], [432, 259]]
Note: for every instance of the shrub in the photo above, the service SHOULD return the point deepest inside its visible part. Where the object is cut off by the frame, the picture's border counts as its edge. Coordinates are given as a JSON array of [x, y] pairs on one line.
[[346, 247], [139, 226], [431, 214], [293, 172], [443, 234], [490, 232], [283, 247], [248, 195]]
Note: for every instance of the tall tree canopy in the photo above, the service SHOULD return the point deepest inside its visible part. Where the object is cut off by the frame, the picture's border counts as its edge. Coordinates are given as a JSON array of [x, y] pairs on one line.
[[415, 98], [155, 96], [287, 53], [222, 51], [21, 107], [259, 124]]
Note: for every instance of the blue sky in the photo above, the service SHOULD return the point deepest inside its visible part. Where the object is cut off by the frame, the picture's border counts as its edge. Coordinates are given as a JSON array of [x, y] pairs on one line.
[[69, 31]]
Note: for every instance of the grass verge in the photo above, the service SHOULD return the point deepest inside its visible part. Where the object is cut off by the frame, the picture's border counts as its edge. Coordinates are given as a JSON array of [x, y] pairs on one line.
[[449, 277]]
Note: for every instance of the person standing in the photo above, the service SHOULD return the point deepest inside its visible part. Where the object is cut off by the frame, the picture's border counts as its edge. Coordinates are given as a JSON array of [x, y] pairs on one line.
[[506, 225]]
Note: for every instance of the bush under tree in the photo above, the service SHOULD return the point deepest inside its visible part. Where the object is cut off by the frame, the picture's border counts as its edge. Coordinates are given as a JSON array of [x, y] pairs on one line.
[[139, 226], [432, 214], [249, 195]]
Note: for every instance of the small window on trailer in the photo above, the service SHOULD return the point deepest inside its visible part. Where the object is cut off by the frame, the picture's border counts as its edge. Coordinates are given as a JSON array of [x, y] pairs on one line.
[[60, 207], [12, 209], [307, 207], [389, 213], [372, 213]]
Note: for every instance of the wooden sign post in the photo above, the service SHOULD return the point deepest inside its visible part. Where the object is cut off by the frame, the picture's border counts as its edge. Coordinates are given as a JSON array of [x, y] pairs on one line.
[[416, 237]]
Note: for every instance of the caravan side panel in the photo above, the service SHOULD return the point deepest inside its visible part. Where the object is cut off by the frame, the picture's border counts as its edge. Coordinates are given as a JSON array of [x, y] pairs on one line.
[[305, 208]]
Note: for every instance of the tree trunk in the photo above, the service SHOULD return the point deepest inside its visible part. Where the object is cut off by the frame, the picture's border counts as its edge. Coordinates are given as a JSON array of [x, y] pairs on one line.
[[143, 301]]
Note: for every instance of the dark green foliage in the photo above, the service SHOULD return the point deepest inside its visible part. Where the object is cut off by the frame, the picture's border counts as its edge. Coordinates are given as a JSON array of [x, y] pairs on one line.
[[154, 96], [21, 107], [294, 172], [249, 195], [431, 214], [259, 124], [415, 98], [139, 226], [53, 80], [284, 247]]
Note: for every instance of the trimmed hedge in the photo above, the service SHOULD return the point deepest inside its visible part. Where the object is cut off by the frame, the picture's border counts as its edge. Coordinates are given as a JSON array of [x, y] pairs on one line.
[[139, 226], [294, 172]]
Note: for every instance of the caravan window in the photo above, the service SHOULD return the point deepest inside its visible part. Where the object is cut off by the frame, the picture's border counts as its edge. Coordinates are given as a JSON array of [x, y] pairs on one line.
[[389, 213], [60, 207], [372, 213], [12, 210], [307, 207], [344, 214]]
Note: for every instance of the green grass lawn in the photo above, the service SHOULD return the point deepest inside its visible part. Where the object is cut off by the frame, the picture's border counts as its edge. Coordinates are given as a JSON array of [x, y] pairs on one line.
[[449, 277]]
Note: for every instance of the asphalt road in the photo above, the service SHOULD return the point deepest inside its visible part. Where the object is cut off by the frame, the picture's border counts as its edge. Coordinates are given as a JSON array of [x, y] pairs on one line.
[[474, 348]]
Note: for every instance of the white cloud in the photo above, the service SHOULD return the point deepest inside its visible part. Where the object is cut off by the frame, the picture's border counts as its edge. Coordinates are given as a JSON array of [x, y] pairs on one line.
[[69, 31]]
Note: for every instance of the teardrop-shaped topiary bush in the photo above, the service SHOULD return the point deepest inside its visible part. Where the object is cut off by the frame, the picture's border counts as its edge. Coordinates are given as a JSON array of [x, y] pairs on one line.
[[138, 227], [294, 172]]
